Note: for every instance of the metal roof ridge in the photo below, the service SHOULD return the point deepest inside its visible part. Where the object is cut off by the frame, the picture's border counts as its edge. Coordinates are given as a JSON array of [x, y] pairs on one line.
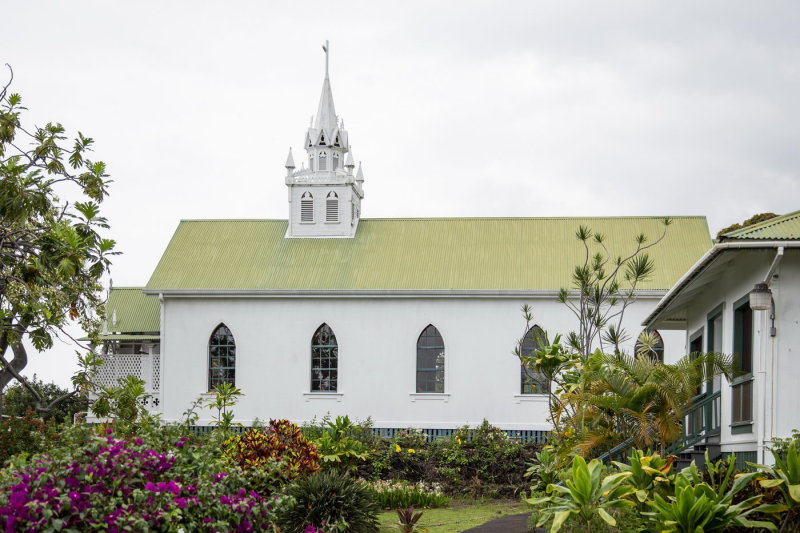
[[610, 217]]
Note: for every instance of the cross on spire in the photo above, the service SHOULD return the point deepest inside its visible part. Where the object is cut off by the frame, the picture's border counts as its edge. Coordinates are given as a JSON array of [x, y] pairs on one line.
[[326, 47]]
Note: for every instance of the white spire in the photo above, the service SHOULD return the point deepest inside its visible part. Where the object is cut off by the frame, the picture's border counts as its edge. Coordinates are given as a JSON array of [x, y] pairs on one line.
[[289, 160], [348, 160], [360, 173], [326, 112]]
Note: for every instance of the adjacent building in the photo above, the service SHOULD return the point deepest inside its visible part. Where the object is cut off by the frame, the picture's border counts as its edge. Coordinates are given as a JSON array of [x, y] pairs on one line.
[[743, 298]]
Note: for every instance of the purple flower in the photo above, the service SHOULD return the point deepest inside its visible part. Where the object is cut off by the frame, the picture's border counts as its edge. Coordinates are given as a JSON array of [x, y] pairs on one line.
[[180, 502]]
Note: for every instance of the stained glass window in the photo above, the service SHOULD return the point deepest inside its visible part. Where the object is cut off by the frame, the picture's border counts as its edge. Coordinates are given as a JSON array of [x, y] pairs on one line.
[[324, 360], [430, 361], [650, 343], [221, 358], [533, 382]]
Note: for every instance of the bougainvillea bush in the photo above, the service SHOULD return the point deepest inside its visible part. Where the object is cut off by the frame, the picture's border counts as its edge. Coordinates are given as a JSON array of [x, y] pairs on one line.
[[281, 440], [111, 484]]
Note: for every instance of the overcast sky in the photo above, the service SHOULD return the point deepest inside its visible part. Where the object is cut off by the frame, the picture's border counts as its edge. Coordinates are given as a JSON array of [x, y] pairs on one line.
[[455, 108]]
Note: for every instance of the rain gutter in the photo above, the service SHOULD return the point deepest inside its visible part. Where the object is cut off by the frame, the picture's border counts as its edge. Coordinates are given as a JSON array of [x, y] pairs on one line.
[[706, 260]]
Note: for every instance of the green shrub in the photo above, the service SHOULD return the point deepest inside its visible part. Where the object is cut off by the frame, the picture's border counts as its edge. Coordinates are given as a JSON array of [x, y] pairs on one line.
[[401, 494], [587, 495], [337, 446], [331, 500], [476, 462], [697, 506], [785, 478], [27, 434], [17, 399], [280, 441], [544, 469]]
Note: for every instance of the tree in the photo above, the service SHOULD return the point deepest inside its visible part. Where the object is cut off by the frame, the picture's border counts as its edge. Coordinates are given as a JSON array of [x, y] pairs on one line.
[[605, 286], [603, 396], [755, 219], [52, 256], [17, 400]]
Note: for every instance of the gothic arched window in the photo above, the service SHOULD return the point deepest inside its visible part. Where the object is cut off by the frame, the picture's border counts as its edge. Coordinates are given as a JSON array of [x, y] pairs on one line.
[[323, 161], [651, 344], [307, 207], [324, 360], [533, 382], [332, 207], [430, 361], [335, 163], [221, 358]]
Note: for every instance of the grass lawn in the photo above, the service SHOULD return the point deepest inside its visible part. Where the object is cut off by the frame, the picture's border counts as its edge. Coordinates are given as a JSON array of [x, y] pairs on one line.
[[458, 515]]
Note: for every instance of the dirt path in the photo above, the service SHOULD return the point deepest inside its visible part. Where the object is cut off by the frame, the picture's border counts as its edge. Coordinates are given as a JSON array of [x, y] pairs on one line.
[[515, 523]]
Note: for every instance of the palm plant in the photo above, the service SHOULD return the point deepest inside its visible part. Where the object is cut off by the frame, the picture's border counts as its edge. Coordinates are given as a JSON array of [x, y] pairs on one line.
[[621, 396]]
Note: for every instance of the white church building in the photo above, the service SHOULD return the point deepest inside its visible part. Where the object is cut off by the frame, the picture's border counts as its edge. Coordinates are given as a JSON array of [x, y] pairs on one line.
[[409, 321]]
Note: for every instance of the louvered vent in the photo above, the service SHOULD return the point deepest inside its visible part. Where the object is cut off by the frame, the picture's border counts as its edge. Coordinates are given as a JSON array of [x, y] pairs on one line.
[[332, 211], [307, 210]]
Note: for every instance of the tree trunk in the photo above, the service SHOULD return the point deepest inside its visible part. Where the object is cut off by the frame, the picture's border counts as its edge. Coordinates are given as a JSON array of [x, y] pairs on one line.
[[12, 369]]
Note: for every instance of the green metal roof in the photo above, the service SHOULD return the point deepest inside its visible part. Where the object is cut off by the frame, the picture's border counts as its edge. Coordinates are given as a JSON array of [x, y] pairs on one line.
[[135, 311], [779, 228], [413, 254]]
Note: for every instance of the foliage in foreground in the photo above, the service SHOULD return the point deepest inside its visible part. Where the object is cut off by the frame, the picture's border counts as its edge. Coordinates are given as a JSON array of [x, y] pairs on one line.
[[697, 506], [281, 440], [402, 494], [587, 495], [648, 497], [785, 477], [101, 482], [331, 500]]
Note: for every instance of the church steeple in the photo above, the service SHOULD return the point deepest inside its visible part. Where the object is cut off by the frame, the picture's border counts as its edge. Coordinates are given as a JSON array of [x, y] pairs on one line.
[[325, 198]]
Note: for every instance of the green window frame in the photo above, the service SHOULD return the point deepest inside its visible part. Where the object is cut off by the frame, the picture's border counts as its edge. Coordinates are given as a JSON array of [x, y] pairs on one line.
[[742, 385], [324, 360], [221, 358], [532, 382], [430, 361]]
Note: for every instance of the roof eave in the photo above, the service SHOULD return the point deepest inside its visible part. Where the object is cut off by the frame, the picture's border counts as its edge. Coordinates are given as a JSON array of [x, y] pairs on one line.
[[662, 309], [373, 293]]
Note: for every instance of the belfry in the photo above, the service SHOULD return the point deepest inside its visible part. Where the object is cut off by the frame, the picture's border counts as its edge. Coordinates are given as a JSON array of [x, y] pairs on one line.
[[324, 197]]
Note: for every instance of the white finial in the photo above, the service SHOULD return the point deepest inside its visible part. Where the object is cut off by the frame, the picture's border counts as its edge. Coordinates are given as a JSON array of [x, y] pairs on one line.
[[326, 47], [360, 173], [348, 161], [289, 161]]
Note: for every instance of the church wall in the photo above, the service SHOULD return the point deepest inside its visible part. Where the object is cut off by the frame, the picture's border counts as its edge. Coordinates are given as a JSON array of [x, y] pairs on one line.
[[377, 356]]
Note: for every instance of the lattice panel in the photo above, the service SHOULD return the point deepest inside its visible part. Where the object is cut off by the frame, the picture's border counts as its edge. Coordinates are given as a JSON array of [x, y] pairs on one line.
[[156, 373], [107, 375], [119, 366]]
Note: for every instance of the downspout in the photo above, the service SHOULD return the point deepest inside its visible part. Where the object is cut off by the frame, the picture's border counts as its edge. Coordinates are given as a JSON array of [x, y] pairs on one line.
[[768, 356]]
